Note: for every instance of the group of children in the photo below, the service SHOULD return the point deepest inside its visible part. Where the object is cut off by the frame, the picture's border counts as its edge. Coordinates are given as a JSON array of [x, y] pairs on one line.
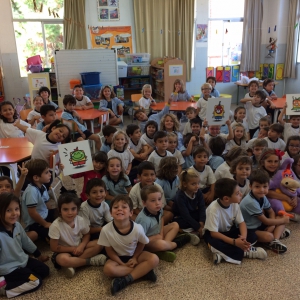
[[153, 188]]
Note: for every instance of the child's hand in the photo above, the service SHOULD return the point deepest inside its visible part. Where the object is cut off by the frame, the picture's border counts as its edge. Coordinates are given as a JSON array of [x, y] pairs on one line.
[[79, 250], [272, 106], [285, 105], [286, 219], [79, 108], [47, 225], [127, 172], [17, 122], [193, 139], [169, 101], [200, 230], [43, 258], [143, 156], [205, 123], [61, 166], [228, 122], [132, 262], [208, 197], [121, 109], [242, 244], [82, 135], [23, 170]]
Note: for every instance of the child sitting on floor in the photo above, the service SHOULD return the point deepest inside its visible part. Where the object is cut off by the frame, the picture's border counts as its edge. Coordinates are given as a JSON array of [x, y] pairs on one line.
[[191, 141], [190, 113], [217, 147], [108, 133], [172, 147], [273, 139], [150, 128], [34, 116]]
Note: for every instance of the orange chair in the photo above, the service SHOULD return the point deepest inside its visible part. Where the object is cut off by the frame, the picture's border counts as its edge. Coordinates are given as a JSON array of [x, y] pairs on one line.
[[24, 113]]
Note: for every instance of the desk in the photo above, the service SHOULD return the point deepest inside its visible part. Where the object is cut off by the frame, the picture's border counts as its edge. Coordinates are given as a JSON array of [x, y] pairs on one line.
[[12, 151], [279, 103], [90, 115], [175, 106]]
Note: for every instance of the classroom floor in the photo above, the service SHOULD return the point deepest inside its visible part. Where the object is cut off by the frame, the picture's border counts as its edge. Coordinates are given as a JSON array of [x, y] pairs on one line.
[[192, 276]]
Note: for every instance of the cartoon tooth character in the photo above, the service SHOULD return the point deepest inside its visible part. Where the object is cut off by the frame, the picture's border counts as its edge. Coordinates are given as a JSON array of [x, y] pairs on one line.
[[219, 112], [78, 158], [296, 104]]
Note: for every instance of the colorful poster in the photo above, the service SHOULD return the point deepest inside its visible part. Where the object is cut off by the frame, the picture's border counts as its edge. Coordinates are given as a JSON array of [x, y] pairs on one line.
[[279, 71], [175, 70], [235, 73], [271, 71], [265, 71], [112, 37], [39, 82], [201, 33], [293, 104], [227, 74], [76, 157], [108, 10], [210, 72], [219, 74], [217, 111]]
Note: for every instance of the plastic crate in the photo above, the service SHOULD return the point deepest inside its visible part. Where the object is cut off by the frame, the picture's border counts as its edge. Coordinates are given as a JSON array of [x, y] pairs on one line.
[[137, 58], [74, 82], [92, 91], [90, 78], [137, 69]]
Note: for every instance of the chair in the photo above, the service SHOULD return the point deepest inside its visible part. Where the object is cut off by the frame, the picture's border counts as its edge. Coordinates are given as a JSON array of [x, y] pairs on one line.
[[53, 163], [24, 113]]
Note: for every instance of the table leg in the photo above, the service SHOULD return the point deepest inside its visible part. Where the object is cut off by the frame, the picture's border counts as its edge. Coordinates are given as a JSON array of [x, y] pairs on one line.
[[276, 114], [12, 172], [92, 126], [237, 96]]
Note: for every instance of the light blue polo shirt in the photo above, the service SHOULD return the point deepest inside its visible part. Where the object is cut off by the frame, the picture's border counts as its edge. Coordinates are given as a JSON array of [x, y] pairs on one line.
[[189, 160], [116, 187], [170, 188]]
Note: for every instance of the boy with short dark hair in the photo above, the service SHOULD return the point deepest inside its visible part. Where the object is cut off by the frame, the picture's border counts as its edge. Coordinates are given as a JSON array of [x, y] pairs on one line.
[[196, 124], [259, 216], [273, 139], [48, 114], [108, 132], [45, 93], [225, 229], [34, 115], [95, 210], [124, 242], [212, 81], [35, 214], [217, 147], [190, 113], [257, 148], [190, 141], [82, 102], [70, 114], [162, 238], [161, 143]]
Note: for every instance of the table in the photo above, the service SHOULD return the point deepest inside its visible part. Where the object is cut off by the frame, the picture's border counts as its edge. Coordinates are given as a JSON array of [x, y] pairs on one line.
[[90, 115], [279, 104], [12, 151], [175, 106]]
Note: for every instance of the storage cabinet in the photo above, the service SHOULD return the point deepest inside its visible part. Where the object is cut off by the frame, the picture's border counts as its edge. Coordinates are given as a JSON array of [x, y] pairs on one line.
[[37, 80], [134, 84], [164, 72]]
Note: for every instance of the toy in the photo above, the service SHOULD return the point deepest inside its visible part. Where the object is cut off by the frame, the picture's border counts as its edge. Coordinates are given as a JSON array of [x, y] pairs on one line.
[[283, 182], [284, 213], [271, 47]]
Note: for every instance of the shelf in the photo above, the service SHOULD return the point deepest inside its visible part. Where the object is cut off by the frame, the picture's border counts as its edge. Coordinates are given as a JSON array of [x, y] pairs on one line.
[[158, 67], [137, 88], [138, 76]]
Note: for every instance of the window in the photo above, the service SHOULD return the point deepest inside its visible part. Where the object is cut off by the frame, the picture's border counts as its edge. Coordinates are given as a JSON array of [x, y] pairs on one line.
[[225, 32], [38, 27]]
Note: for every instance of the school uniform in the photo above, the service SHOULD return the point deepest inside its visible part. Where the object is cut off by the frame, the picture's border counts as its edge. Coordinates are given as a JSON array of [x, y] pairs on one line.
[[278, 144], [34, 113], [178, 155], [223, 171], [232, 143], [8, 130], [145, 103], [113, 104], [148, 140], [289, 130], [125, 156], [254, 114], [244, 123], [207, 177], [40, 125], [84, 101], [207, 137], [116, 187], [215, 161], [53, 104], [105, 147], [155, 158], [188, 160], [170, 187]]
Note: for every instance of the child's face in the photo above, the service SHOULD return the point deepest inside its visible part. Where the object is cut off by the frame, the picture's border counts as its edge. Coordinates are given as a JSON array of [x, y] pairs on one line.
[[78, 92], [98, 166], [214, 130], [238, 132], [38, 102], [243, 171], [50, 117], [190, 115], [5, 187], [141, 117], [236, 197], [162, 144], [196, 129], [70, 106], [58, 134], [114, 167], [107, 92], [109, 138], [12, 213], [211, 82], [271, 163], [120, 141], [147, 93], [45, 176], [257, 151], [201, 160], [295, 121], [257, 100], [97, 195], [193, 185], [153, 203], [240, 115], [151, 130], [206, 92], [270, 86], [259, 190], [7, 111], [172, 143], [136, 135], [253, 88], [45, 96], [294, 147], [273, 134], [263, 124], [262, 133], [68, 212], [120, 211], [169, 124], [177, 86], [147, 177]]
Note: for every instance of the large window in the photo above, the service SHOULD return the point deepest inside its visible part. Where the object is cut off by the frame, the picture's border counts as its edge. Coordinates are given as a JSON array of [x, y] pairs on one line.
[[225, 32], [38, 29]]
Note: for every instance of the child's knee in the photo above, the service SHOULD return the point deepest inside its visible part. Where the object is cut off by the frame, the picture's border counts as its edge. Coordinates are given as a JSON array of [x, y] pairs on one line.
[[175, 226], [63, 260], [108, 270], [269, 236], [153, 260]]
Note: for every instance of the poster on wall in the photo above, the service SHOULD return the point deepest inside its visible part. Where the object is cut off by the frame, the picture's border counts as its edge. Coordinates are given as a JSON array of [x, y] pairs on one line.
[[175, 70], [201, 33], [108, 10], [217, 111], [39, 82], [76, 157], [293, 104], [112, 37]]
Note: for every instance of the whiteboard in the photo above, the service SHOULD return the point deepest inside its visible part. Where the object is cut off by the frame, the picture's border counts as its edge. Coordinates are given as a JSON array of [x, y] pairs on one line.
[[69, 63]]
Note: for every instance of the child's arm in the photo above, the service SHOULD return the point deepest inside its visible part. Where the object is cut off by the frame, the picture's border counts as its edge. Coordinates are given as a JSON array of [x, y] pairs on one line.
[[75, 114], [55, 247], [272, 105], [203, 130], [230, 131], [282, 113], [109, 196], [112, 254], [179, 169], [138, 250], [20, 183], [189, 148], [273, 221], [37, 218], [282, 197], [32, 121], [80, 248], [89, 105], [245, 100], [20, 126], [128, 189], [209, 196], [128, 169]]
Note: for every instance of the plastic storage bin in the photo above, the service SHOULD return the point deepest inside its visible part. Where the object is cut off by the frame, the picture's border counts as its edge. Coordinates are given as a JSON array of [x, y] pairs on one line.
[[137, 58], [92, 91], [35, 68], [122, 69], [136, 70], [74, 82], [90, 78]]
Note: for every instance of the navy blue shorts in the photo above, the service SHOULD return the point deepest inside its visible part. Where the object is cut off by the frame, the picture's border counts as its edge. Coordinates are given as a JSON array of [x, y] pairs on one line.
[[125, 258], [87, 134]]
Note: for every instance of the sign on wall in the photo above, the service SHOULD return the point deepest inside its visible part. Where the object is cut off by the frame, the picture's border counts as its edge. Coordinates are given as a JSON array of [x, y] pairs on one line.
[[108, 10]]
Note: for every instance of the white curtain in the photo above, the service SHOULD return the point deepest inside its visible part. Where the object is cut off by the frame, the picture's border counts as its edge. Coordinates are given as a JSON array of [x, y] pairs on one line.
[[253, 14], [292, 39]]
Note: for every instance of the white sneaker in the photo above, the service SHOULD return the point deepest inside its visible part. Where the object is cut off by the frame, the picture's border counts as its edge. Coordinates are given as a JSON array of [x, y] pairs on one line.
[[286, 233], [69, 272], [277, 246], [296, 217], [195, 240], [217, 258], [256, 253], [98, 260]]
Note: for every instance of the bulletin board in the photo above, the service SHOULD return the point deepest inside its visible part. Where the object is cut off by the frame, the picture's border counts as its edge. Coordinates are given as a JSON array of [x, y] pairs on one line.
[[112, 37]]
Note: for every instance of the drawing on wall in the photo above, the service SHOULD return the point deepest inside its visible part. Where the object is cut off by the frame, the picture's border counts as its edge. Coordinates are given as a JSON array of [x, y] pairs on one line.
[[108, 10], [217, 112], [76, 157], [201, 33], [39, 82], [293, 104], [175, 70]]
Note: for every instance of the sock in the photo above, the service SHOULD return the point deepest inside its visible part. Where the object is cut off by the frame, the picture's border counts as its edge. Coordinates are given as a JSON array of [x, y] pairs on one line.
[[128, 278], [88, 261]]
